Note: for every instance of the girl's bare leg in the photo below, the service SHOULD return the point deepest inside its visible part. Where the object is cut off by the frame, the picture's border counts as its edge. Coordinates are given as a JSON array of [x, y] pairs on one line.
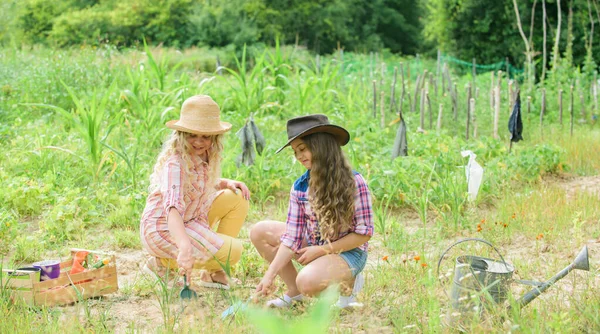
[[265, 236], [322, 272]]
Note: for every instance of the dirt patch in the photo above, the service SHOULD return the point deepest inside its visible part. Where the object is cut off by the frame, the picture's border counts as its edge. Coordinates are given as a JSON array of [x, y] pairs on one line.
[[574, 185]]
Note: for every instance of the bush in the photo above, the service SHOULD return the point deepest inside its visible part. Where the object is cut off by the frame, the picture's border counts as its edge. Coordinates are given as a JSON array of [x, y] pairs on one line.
[[124, 23], [36, 19]]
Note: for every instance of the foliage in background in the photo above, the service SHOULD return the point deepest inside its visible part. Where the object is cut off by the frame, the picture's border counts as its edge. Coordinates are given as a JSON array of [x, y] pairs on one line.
[[487, 30], [481, 29], [320, 25]]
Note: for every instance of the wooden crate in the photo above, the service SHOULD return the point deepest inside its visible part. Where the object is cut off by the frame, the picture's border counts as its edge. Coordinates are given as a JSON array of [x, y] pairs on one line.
[[66, 288]]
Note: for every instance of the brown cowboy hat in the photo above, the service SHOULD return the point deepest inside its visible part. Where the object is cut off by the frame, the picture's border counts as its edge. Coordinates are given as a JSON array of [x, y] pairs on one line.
[[200, 115], [305, 125]]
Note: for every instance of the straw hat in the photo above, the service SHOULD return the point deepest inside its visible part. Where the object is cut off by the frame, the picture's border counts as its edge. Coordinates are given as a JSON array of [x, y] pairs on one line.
[[305, 125], [200, 115]]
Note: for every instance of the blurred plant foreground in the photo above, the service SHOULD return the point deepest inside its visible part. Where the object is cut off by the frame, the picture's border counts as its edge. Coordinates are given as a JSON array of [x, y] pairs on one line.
[[87, 86]]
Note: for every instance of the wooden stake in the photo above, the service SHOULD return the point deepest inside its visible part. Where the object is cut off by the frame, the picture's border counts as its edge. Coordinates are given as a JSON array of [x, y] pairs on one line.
[[571, 109], [417, 85], [542, 111], [492, 94], [382, 110], [442, 78], [473, 117], [468, 111], [429, 110], [422, 109], [437, 70], [496, 111], [455, 100], [374, 98]]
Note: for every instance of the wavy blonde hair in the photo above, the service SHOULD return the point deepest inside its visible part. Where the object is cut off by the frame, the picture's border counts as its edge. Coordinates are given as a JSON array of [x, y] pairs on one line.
[[177, 145], [332, 185]]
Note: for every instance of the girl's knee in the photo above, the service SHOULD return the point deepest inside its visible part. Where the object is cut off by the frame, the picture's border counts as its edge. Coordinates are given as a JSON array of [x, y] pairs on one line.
[[257, 232], [260, 232], [310, 285]]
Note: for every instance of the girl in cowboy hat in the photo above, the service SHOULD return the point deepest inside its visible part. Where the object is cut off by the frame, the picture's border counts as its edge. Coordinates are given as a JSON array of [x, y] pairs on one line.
[[329, 221], [187, 198]]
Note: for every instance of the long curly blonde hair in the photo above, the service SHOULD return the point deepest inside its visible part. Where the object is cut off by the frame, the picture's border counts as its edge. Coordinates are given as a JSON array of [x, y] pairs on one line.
[[177, 144], [332, 185]]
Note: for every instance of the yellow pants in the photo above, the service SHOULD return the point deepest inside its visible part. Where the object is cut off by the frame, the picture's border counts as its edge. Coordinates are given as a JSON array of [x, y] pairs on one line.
[[229, 210]]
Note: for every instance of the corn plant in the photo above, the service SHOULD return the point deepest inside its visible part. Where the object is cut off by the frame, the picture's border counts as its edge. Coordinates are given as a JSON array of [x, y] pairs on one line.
[[88, 120], [130, 158], [248, 86], [160, 69]]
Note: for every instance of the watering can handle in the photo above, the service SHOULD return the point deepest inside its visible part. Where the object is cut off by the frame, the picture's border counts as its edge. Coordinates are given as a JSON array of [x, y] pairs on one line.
[[465, 240]]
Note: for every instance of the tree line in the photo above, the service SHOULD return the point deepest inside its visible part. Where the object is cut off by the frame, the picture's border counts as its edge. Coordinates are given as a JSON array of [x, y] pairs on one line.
[[487, 30]]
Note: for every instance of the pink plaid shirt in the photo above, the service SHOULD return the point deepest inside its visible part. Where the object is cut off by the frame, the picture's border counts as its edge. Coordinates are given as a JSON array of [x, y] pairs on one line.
[[192, 202], [302, 222]]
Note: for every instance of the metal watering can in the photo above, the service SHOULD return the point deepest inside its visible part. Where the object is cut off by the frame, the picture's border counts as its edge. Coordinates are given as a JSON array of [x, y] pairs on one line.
[[477, 275]]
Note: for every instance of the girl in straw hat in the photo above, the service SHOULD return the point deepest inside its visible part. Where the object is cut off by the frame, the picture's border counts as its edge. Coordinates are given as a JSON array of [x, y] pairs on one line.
[[329, 221], [187, 198]]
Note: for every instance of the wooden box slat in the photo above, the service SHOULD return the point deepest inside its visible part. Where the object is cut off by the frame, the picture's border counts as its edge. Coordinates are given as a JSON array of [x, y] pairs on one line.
[[66, 288], [17, 283], [73, 293]]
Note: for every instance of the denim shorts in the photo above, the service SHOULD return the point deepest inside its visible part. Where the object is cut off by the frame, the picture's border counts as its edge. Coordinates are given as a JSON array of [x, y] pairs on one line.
[[356, 259]]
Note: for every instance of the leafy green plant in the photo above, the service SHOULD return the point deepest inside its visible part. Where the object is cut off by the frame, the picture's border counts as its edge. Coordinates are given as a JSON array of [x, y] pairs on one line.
[[316, 320], [88, 120]]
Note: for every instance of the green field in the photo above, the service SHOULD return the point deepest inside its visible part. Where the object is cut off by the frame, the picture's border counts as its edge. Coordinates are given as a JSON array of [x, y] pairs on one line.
[[80, 130]]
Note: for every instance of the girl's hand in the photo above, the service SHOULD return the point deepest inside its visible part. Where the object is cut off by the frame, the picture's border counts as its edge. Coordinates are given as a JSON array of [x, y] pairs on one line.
[[310, 253], [265, 287], [236, 186], [185, 260]]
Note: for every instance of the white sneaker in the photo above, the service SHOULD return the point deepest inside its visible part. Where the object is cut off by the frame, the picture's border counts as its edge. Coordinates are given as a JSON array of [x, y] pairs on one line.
[[284, 302]]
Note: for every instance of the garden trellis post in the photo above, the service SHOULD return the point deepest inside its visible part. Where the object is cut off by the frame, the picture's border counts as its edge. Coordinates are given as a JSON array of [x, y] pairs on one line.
[[468, 111], [473, 117], [571, 108], [496, 111], [374, 98], [542, 111], [382, 109], [393, 92]]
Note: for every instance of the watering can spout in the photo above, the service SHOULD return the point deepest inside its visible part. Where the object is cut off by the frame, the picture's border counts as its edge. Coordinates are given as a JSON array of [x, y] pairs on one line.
[[581, 262]]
